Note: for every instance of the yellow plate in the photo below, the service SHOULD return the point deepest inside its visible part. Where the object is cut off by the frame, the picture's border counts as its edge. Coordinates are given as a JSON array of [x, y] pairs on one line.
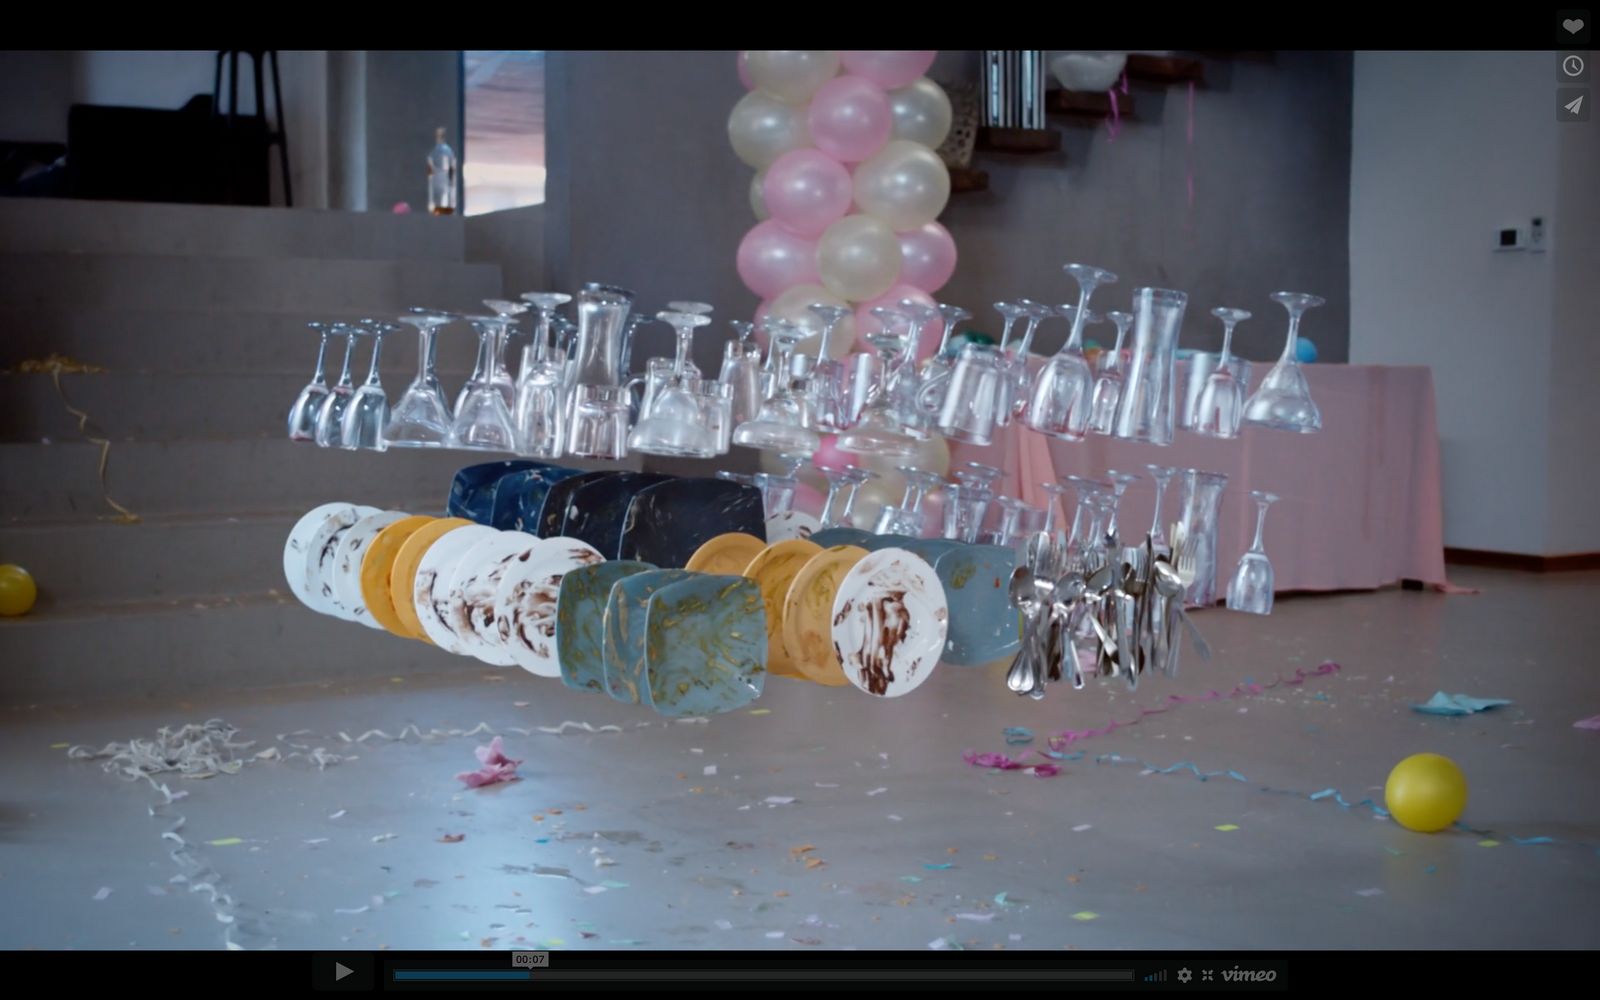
[[725, 554], [773, 569], [404, 572], [375, 567], [808, 614]]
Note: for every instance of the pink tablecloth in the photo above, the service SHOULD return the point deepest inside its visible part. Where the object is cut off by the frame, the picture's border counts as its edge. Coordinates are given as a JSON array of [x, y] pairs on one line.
[[1360, 503]]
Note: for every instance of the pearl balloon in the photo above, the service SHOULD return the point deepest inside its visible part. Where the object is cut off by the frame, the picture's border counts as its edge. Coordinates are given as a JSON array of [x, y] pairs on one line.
[[794, 306], [889, 69], [771, 259], [905, 184], [758, 200], [858, 257], [850, 118], [791, 75], [763, 128], [922, 113], [807, 191], [930, 256]]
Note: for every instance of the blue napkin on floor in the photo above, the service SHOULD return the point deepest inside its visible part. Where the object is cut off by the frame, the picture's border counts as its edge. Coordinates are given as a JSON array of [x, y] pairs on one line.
[[1457, 704]]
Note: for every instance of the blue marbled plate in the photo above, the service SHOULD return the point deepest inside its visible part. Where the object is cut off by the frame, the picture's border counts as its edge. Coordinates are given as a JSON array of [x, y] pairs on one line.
[[873, 543], [930, 549], [519, 497], [622, 642], [983, 624], [596, 511], [669, 521], [553, 511], [580, 610], [705, 646], [473, 488], [829, 537]]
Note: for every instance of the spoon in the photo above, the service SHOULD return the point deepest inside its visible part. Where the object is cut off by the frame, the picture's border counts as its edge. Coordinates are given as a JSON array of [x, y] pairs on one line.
[[1022, 593]]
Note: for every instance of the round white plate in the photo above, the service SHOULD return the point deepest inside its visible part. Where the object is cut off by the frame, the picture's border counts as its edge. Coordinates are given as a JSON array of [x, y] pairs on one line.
[[297, 547], [890, 617], [430, 591], [347, 563], [321, 553], [787, 524], [472, 589], [525, 602]]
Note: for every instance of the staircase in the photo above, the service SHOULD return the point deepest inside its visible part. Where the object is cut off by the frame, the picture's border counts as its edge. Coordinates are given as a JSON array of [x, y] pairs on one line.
[[197, 313]]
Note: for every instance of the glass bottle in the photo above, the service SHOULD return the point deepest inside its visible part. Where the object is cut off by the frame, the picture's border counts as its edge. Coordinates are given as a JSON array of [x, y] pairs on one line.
[[441, 176]]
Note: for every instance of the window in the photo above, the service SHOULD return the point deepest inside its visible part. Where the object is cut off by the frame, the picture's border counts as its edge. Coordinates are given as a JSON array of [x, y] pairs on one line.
[[503, 156]]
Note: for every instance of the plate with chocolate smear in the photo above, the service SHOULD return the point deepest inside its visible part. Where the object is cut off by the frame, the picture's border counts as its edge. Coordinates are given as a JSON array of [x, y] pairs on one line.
[[525, 601], [430, 589], [890, 619], [470, 594]]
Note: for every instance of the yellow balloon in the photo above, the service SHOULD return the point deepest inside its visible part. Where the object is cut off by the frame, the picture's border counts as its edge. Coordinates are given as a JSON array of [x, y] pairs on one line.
[[17, 591], [1426, 792]]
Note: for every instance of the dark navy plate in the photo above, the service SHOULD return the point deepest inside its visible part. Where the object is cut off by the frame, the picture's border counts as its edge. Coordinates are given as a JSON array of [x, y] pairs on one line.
[[520, 496], [667, 522], [553, 511], [472, 491], [595, 511]]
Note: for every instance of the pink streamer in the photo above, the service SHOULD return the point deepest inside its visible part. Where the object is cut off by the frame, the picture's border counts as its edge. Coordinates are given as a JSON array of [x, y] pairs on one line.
[[496, 767], [1001, 762], [1114, 123]]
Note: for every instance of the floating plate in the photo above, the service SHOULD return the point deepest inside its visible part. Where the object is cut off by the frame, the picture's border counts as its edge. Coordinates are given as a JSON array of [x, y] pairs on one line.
[[553, 511], [321, 555], [430, 590], [403, 575], [669, 521], [975, 580], [347, 563], [472, 491], [808, 614], [596, 511], [519, 497], [705, 646], [525, 602], [622, 644], [580, 618], [890, 619], [725, 554], [377, 566], [773, 569], [472, 588]]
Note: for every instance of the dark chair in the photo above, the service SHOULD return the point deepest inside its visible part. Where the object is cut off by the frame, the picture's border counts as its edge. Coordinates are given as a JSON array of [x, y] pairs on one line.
[[258, 121]]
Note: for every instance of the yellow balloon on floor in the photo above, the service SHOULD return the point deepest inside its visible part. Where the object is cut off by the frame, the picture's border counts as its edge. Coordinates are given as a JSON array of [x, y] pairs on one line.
[[1426, 792], [17, 591]]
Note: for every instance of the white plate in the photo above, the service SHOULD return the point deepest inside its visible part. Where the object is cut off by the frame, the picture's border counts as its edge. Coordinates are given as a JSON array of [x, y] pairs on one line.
[[295, 550], [430, 591], [787, 524], [525, 602], [472, 589], [890, 617], [320, 555], [347, 563]]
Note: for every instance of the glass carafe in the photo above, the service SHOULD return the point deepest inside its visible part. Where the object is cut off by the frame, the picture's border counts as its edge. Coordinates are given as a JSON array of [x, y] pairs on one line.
[[1145, 411], [1202, 497]]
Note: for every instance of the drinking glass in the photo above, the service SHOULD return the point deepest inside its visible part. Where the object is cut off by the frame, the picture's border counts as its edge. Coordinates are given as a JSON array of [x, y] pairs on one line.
[[1283, 399], [1250, 590], [854, 477], [599, 422], [967, 411], [692, 308], [675, 425], [828, 375], [1221, 402], [1089, 519], [1009, 528], [741, 369], [303, 414], [368, 412], [913, 376], [1162, 476], [1108, 382], [978, 474], [540, 415], [1145, 411], [1119, 486], [1202, 495], [421, 419], [1014, 389], [546, 304], [716, 409], [1064, 388], [879, 431], [508, 312], [330, 416], [780, 424], [907, 518], [964, 506], [831, 510], [482, 419], [630, 330]]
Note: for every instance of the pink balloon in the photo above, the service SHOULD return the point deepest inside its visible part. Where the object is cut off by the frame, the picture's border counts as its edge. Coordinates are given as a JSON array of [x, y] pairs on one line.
[[807, 190], [867, 323], [850, 118], [888, 70], [829, 454], [744, 72], [929, 254], [807, 499], [771, 259]]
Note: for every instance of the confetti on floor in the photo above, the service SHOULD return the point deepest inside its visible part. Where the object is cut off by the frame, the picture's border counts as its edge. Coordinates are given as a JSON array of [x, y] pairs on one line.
[[1228, 827], [104, 892], [1086, 915], [229, 841], [1082, 827], [1369, 892]]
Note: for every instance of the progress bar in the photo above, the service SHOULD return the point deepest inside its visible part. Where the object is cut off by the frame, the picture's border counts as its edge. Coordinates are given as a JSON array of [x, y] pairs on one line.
[[765, 975], [460, 975]]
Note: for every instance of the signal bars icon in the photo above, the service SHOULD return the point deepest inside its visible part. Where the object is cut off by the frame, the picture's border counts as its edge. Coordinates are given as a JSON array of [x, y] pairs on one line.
[[1156, 977]]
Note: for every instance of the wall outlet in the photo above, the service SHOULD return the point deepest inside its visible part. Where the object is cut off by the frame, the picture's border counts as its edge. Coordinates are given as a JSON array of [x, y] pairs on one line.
[[1536, 235], [1510, 238]]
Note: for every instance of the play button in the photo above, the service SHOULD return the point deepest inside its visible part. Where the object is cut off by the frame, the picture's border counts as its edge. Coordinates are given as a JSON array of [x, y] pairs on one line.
[[347, 971], [340, 970]]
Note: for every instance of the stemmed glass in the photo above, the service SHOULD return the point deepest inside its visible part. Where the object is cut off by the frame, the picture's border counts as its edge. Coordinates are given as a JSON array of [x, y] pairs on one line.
[[913, 375], [741, 370], [421, 419], [1283, 399], [1064, 387], [780, 424], [1013, 399], [330, 417], [827, 375], [303, 414], [908, 519], [1250, 590], [368, 412], [879, 432], [1108, 383], [1222, 400], [933, 381], [1162, 476], [482, 418], [837, 479], [508, 312], [854, 477], [675, 425], [1119, 486]]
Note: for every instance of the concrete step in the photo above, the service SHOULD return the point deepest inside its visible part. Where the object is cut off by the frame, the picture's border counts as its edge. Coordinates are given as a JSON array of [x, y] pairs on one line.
[[54, 482], [176, 338], [60, 225], [159, 649], [134, 281], [144, 406]]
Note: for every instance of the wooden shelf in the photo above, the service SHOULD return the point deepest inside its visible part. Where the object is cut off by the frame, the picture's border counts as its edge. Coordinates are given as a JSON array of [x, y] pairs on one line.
[[967, 179], [1018, 140], [1090, 107], [1165, 69]]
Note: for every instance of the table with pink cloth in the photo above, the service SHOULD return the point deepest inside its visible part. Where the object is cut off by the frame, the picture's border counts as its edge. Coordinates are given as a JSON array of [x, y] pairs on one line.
[[1359, 506]]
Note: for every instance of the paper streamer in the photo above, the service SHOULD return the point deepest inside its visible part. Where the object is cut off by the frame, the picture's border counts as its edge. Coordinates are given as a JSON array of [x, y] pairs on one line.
[[55, 365]]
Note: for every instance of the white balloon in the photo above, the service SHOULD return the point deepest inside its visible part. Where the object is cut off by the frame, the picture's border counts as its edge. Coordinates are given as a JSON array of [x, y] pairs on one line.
[[791, 75], [922, 113], [905, 184], [932, 455], [763, 128], [794, 305], [859, 257], [758, 200]]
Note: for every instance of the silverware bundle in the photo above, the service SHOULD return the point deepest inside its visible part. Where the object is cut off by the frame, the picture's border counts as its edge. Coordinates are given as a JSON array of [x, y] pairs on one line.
[[1123, 604]]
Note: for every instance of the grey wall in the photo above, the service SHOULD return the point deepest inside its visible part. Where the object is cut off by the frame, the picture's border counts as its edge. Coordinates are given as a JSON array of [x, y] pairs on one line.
[[645, 192], [408, 95]]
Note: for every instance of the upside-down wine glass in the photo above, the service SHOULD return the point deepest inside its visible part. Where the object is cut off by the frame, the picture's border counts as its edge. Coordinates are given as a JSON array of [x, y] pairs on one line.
[[1108, 383], [421, 419], [368, 413], [330, 417], [676, 426], [1283, 399], [780, 424], [1250, 590], [303, 414], [878, 431], [483, 420], [1221, 403], [1064, 387]]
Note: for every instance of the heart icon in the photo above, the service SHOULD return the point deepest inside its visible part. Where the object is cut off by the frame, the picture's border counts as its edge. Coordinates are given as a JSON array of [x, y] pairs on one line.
[[1573, 25]]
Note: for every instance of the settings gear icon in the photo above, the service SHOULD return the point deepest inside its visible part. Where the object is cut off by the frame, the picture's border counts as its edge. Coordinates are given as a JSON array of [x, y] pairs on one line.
[[1184, 975]]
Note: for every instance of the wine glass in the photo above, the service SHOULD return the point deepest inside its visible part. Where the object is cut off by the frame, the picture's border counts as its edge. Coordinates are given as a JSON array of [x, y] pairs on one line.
[[907, 518], [1108, 382], [1221, 402], [330, 417], [854, 477], [1283, 399], [1162, 476], [1119, 486], [1250, 590], [676, 424], [837, 479], [826, 388], [1064, 387], [303, 414], [508, 311], [482, 418], [368, 413], [780, 424], [879, 431], [421, 419]]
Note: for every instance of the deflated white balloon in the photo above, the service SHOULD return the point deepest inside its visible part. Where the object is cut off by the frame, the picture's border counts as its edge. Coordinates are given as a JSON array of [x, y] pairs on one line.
[[763, 128], [791, 75], [922, 113]]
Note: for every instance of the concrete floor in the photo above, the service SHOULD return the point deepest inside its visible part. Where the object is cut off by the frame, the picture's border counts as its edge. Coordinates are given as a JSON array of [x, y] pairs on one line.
[[891, 841]]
